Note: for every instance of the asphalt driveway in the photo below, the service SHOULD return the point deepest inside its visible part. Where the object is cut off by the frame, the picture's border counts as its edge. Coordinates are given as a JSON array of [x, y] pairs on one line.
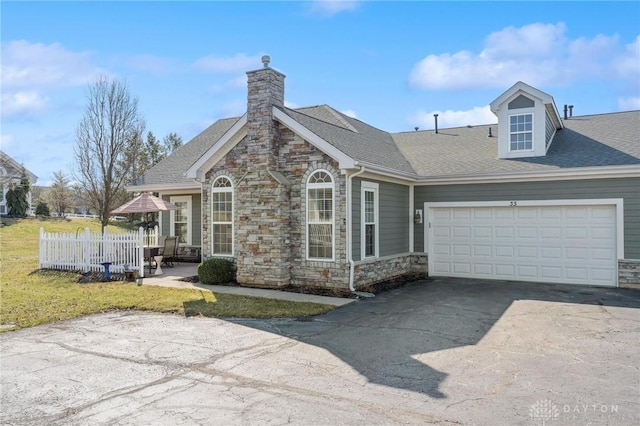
[[444, 351]]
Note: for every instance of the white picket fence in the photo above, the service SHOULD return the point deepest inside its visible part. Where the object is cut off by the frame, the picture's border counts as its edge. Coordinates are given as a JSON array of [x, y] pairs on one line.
[[87, 251]]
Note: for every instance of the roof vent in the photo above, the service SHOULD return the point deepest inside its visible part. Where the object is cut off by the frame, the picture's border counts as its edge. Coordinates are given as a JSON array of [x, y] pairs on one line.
[[570, 111], [416, 128], [490, 135], [435, 116], [265, 61]]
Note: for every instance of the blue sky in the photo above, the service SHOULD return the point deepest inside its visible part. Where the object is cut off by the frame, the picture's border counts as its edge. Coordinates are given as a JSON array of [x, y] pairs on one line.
[[390, 64]]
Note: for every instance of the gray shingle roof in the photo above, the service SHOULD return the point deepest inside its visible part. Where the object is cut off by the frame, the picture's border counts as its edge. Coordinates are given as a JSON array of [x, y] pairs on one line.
[[586, 141], [364, 143], [171, 169]]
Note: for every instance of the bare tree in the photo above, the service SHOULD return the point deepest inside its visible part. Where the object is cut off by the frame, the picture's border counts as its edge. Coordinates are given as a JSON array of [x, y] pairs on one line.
[[107, 144], [60, 195]]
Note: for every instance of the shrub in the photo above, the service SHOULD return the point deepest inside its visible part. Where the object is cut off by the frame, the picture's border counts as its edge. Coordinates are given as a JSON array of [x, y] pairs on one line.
[[42, 210], [215, 271]]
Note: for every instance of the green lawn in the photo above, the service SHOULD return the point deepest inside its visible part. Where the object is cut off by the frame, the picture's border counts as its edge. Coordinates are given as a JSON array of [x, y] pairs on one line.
[[30, 297]]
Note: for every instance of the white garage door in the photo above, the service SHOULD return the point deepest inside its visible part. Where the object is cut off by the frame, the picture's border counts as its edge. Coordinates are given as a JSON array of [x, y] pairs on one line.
[[561, 244]]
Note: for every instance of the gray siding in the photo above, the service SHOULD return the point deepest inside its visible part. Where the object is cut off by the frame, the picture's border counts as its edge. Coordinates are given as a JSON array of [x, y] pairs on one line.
[[625, 188], [393, 207]]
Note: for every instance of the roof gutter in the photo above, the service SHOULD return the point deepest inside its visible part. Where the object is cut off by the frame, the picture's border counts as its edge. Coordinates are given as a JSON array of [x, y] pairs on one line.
[[349, 234]]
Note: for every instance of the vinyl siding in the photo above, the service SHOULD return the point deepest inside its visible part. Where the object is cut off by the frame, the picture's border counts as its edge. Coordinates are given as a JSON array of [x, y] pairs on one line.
[[626, 188], [393, 205]]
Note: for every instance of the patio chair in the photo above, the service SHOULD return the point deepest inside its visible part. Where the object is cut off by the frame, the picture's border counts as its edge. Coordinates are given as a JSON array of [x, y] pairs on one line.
[[169, 251]]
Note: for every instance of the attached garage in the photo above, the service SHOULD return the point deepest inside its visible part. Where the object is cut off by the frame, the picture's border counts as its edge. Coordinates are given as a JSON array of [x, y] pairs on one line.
[[566, 241]]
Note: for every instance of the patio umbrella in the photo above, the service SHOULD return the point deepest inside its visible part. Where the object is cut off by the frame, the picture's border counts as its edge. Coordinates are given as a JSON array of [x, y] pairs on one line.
[[145, 203]]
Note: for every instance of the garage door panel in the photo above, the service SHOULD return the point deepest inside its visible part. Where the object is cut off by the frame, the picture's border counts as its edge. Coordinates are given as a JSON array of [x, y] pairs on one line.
[[504, 232], [504, 251], [547, 253], [528, 252], [566, 244], [551, 273], [504, 271], [482, 269], [482, 250], [551, 232], [482, 231]]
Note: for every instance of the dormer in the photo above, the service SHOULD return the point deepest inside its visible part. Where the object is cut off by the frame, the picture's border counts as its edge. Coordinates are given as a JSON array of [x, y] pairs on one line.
[[527, 121]]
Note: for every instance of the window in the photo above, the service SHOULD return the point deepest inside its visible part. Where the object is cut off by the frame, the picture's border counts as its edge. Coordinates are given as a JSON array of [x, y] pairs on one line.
[[181, 219], [521, 132], [320, 216], [369, 231], [222, 216]]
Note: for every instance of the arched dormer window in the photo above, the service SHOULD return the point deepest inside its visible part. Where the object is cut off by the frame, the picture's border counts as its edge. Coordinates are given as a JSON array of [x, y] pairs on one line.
[[320, 216], [222, 217]]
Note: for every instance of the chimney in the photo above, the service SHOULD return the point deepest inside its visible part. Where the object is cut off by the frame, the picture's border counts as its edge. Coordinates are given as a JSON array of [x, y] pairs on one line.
[[435, 116], [265, 90]]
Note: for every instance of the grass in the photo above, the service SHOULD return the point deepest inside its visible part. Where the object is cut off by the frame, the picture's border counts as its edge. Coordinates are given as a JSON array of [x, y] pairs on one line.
[[30, 297]]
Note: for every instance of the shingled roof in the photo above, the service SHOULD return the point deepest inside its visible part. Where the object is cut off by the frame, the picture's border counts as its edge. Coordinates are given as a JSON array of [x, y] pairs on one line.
[[171, 169], [358, 140], [586, 141]]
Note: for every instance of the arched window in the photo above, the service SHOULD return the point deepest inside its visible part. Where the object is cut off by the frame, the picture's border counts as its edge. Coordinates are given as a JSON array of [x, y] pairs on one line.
[[222, 217], [320, 216]]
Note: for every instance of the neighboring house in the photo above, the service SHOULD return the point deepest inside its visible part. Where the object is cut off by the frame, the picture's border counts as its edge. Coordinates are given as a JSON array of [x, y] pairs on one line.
[[312, 197], [11, 173]]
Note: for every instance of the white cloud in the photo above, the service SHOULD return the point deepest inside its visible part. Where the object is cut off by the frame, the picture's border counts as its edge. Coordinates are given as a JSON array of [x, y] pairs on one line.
[[237, 63], [24, 103], [629, 104], [628, 65], [538, 54], [449, 118], [333, 7], [38, 65], [30, 69], [349, 112]]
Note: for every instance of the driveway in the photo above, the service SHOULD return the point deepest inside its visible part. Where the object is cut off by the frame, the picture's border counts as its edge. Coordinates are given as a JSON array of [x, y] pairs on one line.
[[444, 351]]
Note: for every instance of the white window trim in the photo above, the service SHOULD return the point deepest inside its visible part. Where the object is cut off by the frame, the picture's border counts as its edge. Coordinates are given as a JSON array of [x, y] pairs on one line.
[[172, 217], [333, 215], [369, 187], [233, 223], [533, 142]]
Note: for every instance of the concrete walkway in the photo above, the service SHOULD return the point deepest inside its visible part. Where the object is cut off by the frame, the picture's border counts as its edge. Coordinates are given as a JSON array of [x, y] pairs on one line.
[[171, 278]]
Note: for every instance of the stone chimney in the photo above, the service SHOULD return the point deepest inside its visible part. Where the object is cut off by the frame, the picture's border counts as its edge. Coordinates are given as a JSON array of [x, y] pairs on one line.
[[262, 199], [265, 90]]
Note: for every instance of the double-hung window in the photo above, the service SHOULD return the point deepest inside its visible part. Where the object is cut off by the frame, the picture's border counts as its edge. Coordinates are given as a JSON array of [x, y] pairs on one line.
[[521, 132], [369, 213], [320, 214], [222, 216], [181, 219]]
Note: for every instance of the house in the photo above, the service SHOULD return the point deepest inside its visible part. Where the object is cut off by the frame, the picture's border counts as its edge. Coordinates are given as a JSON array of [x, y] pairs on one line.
[[10, 174], [312, 197]]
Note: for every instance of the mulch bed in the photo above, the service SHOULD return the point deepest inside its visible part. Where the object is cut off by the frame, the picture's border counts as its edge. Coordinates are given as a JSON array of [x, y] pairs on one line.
[[374, 288]]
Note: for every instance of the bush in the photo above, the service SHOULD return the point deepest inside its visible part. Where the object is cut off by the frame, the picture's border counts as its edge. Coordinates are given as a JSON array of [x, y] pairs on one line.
[[215, 271], [42, 210]]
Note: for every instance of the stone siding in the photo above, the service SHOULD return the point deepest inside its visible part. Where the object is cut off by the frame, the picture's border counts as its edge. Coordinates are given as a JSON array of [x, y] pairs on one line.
[[376, 270], [629, 273]]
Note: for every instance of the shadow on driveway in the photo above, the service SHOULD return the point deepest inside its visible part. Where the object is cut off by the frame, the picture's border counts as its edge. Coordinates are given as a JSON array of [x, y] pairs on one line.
[[382, 338]]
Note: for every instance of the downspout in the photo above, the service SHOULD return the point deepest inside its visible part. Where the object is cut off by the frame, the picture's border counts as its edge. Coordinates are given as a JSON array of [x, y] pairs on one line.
[[349, 226]]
